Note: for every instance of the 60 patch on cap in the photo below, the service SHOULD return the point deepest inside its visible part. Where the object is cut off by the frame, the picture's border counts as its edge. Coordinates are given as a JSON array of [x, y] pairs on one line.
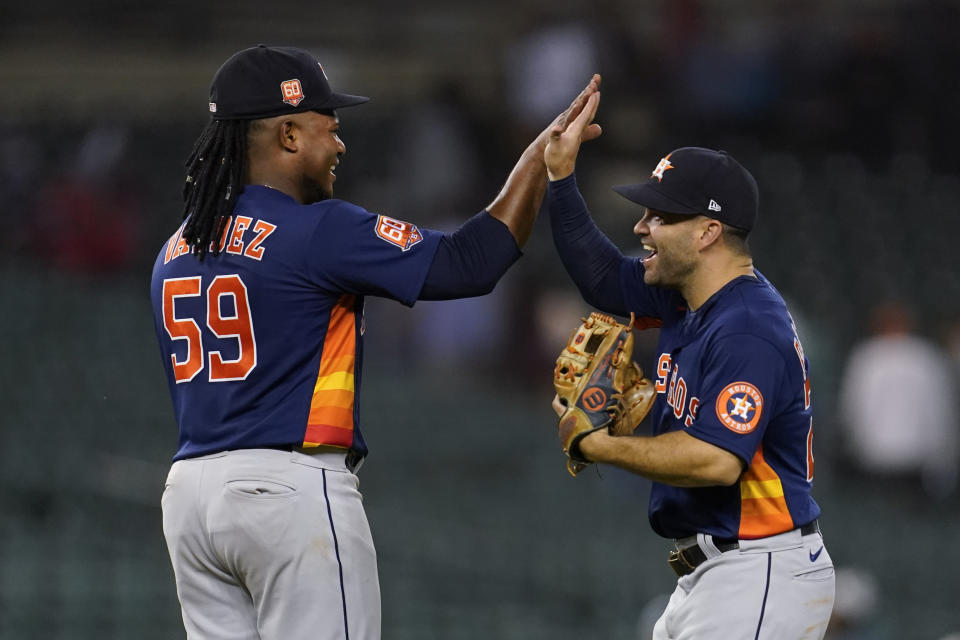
[[739, 406], [292, 91]]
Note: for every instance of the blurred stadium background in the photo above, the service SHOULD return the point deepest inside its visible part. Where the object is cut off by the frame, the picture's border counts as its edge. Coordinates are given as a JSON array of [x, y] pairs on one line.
[[845, 111]]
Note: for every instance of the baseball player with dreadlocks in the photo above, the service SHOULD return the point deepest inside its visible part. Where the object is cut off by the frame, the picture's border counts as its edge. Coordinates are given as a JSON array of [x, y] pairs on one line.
[[258, 307], [731, 456]]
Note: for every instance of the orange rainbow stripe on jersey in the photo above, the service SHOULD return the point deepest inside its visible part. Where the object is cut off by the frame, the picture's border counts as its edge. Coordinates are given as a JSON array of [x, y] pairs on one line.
[[763, 509], [330, 421]]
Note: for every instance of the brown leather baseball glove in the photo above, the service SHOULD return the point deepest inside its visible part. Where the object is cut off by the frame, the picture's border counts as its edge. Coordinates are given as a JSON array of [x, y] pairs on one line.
[[599, 385]]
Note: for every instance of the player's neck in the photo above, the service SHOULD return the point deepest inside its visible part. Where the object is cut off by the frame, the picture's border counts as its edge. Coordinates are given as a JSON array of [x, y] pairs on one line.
[[708, 279], [263, 174]]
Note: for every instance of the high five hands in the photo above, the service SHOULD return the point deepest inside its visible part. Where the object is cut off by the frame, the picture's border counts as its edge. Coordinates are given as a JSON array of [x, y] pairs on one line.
[[571, 128]]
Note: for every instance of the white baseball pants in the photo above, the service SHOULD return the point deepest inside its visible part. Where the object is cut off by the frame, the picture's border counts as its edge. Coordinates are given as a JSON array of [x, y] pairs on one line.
[[776, 588], [271, 545]]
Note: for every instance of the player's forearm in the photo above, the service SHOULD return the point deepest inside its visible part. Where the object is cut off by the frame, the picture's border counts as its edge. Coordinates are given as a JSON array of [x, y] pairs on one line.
[[519, 201], [674, 458], [590, 258]]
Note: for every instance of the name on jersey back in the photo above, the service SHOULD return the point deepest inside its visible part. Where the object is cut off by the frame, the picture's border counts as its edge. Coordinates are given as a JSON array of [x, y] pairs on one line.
[[236, 239]]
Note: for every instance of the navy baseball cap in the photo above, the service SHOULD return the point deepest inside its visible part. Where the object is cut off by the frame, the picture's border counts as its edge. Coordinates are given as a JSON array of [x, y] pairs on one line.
[[697, 181], [262, 81]]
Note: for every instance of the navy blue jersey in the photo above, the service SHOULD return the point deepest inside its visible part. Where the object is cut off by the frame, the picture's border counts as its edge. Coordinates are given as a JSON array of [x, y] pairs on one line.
[[262, 344], [731, 373]]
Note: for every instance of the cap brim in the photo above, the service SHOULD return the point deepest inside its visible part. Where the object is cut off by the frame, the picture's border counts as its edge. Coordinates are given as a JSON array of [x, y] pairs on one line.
[[340, 100], [646, 194]]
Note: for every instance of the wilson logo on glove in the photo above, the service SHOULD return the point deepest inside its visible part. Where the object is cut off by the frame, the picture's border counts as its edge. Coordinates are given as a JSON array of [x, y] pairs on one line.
[[594, 398]]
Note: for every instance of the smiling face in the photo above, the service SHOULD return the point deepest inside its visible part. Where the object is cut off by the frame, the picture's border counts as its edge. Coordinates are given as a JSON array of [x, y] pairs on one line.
[[322, 148], [673, 256]]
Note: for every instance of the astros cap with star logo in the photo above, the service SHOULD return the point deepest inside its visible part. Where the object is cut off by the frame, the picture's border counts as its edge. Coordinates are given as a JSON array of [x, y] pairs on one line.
[[698, 181]]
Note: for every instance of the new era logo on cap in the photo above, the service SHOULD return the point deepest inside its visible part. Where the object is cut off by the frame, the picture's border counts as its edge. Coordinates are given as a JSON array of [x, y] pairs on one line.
[[713, 206]]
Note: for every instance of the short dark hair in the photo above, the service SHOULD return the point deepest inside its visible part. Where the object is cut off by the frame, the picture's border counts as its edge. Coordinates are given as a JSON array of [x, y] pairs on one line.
[[216, 174], [736, 239]]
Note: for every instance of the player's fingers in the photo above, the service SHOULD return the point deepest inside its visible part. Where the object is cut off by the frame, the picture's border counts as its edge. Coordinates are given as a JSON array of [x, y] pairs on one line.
[[571, 112], [594, 83], [579, 124], [592, 132], [558, 407], [592, 87], [580, 101]]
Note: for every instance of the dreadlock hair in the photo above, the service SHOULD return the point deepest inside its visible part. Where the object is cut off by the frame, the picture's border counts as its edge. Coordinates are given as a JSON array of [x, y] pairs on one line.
[[216, 173]]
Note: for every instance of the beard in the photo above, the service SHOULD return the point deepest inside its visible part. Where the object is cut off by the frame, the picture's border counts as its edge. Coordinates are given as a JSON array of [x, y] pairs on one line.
[[314, 191], [671, 269]]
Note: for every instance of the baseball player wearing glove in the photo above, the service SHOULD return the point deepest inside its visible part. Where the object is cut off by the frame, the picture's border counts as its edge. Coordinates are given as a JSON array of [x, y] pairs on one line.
[[731, 456], [598, 385], [258, 305]]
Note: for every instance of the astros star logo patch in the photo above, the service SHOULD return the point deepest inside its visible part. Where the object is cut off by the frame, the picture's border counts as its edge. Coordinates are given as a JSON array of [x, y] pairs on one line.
[[663, 165], [739, 406]]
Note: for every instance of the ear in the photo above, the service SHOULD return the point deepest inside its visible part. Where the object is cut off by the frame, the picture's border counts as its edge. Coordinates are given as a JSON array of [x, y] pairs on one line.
[[709, 233], [289, 136]]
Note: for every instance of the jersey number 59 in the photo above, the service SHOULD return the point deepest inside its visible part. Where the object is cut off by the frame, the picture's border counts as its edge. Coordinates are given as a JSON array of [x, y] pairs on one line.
[[238, 326]]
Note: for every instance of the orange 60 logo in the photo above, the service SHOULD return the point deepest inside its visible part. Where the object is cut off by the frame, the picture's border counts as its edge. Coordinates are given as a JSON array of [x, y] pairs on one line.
[[397, 232], [292, 92]]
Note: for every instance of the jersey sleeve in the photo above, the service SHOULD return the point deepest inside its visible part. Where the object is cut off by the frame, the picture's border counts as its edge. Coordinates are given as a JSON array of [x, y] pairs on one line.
[[470, 261], [741, 380], [363, 253]]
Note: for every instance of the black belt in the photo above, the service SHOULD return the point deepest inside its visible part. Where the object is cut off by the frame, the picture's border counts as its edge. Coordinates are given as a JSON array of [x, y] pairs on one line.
[[354, 460], [685, 561]]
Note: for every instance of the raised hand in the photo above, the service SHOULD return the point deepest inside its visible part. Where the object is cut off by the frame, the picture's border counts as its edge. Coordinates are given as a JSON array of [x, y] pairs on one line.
[[518, 202], [566, 135]]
